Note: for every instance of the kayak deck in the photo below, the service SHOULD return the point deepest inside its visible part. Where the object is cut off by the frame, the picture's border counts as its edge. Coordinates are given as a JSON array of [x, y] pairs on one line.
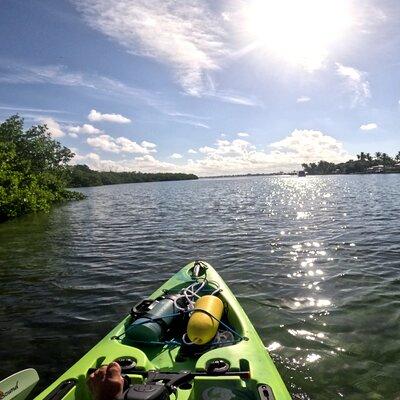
[[252, 373]]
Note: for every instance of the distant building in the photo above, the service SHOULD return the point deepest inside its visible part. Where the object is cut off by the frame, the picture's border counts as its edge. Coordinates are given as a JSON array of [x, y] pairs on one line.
[[376, 169]]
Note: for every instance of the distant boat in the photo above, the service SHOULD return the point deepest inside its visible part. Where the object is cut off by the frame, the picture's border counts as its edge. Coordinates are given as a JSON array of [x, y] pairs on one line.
[[301, 174]]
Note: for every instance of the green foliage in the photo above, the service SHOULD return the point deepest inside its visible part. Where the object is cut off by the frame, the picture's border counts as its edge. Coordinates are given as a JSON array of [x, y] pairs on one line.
[[365, 163], [33, 169], [82, 175]]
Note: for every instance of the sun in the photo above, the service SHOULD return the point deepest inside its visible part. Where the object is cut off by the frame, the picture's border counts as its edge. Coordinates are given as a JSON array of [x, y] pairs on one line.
[[300, 32]]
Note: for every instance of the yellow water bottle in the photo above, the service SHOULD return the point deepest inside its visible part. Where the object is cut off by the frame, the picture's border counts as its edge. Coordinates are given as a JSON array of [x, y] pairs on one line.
[[204, 321]]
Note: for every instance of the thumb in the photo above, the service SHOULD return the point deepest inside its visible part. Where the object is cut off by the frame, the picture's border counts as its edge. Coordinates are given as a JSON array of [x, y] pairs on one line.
[[113, 370]]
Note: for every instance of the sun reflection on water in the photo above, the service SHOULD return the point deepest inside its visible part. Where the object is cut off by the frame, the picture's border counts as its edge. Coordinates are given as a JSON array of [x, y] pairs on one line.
[[307, 257]]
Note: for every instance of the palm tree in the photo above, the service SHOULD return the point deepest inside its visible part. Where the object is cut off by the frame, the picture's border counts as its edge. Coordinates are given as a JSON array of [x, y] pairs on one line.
[[378, 155], [386, 159], [397, 158], [369, 158]]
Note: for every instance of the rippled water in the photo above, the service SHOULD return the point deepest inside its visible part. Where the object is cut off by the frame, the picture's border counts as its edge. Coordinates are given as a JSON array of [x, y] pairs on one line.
[[314, 261]]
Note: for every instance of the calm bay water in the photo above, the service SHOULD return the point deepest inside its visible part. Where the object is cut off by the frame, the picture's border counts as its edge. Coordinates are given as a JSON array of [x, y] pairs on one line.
[[314, 261]]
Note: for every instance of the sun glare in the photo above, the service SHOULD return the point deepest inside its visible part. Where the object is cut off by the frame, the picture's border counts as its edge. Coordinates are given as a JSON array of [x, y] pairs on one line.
[[298, 31]]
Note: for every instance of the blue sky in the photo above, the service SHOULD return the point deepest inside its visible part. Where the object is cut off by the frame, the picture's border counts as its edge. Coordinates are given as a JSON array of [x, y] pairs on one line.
[[210, 87]]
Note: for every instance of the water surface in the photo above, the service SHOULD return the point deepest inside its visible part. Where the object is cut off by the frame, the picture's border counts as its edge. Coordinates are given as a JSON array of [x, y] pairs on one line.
[[314, 261]]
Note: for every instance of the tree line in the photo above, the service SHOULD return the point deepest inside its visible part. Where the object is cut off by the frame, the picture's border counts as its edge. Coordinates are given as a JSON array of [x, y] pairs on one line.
[[365, 163], [35, 171], [83, 176]]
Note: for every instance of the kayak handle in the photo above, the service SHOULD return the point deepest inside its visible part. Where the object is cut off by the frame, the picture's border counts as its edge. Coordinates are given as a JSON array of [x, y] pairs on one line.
[[61, 390], [265, 392], [191, 375]]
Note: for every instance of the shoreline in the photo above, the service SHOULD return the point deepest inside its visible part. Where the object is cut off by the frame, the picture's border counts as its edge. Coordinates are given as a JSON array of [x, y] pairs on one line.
[[295, 174]]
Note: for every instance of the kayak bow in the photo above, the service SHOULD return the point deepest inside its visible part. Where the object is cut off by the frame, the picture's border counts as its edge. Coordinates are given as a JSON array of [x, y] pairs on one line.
[[219, 357]]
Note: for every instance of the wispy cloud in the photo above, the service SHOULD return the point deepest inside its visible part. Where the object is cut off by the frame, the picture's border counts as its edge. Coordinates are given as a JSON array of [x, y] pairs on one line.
[[32, 110], [192, 123], [186, 115], [188, 119], [356, 82], [184, 34], [229, 97], [57, 74], [18, 73]]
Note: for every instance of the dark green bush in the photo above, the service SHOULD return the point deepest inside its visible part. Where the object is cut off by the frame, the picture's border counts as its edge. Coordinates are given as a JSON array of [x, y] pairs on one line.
[[33, 169]]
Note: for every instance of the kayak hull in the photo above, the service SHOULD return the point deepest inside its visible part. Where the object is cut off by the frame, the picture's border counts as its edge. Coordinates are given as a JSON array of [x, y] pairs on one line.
[[247, 354]]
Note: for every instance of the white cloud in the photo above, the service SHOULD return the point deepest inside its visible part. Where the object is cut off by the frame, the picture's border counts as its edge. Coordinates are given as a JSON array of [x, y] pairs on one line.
[[73, 135], [104, 142], [182, 33], [145, 163], [228, 149], [98, 116], [85, 128], [369, 127], [120, 145], [310, 146], [240, 157], [191, 151], [176, 156], [356, 81], [303, 99], [235, 157], [207, 150], [128, 146], [53, 125], [243, 134], [148, 145]]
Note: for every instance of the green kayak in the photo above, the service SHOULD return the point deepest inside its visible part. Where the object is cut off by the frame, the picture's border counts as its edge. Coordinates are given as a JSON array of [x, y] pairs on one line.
[[189, 340]]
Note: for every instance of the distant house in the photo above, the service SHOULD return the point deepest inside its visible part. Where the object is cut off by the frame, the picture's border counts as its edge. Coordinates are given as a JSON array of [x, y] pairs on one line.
[[376, 169]]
